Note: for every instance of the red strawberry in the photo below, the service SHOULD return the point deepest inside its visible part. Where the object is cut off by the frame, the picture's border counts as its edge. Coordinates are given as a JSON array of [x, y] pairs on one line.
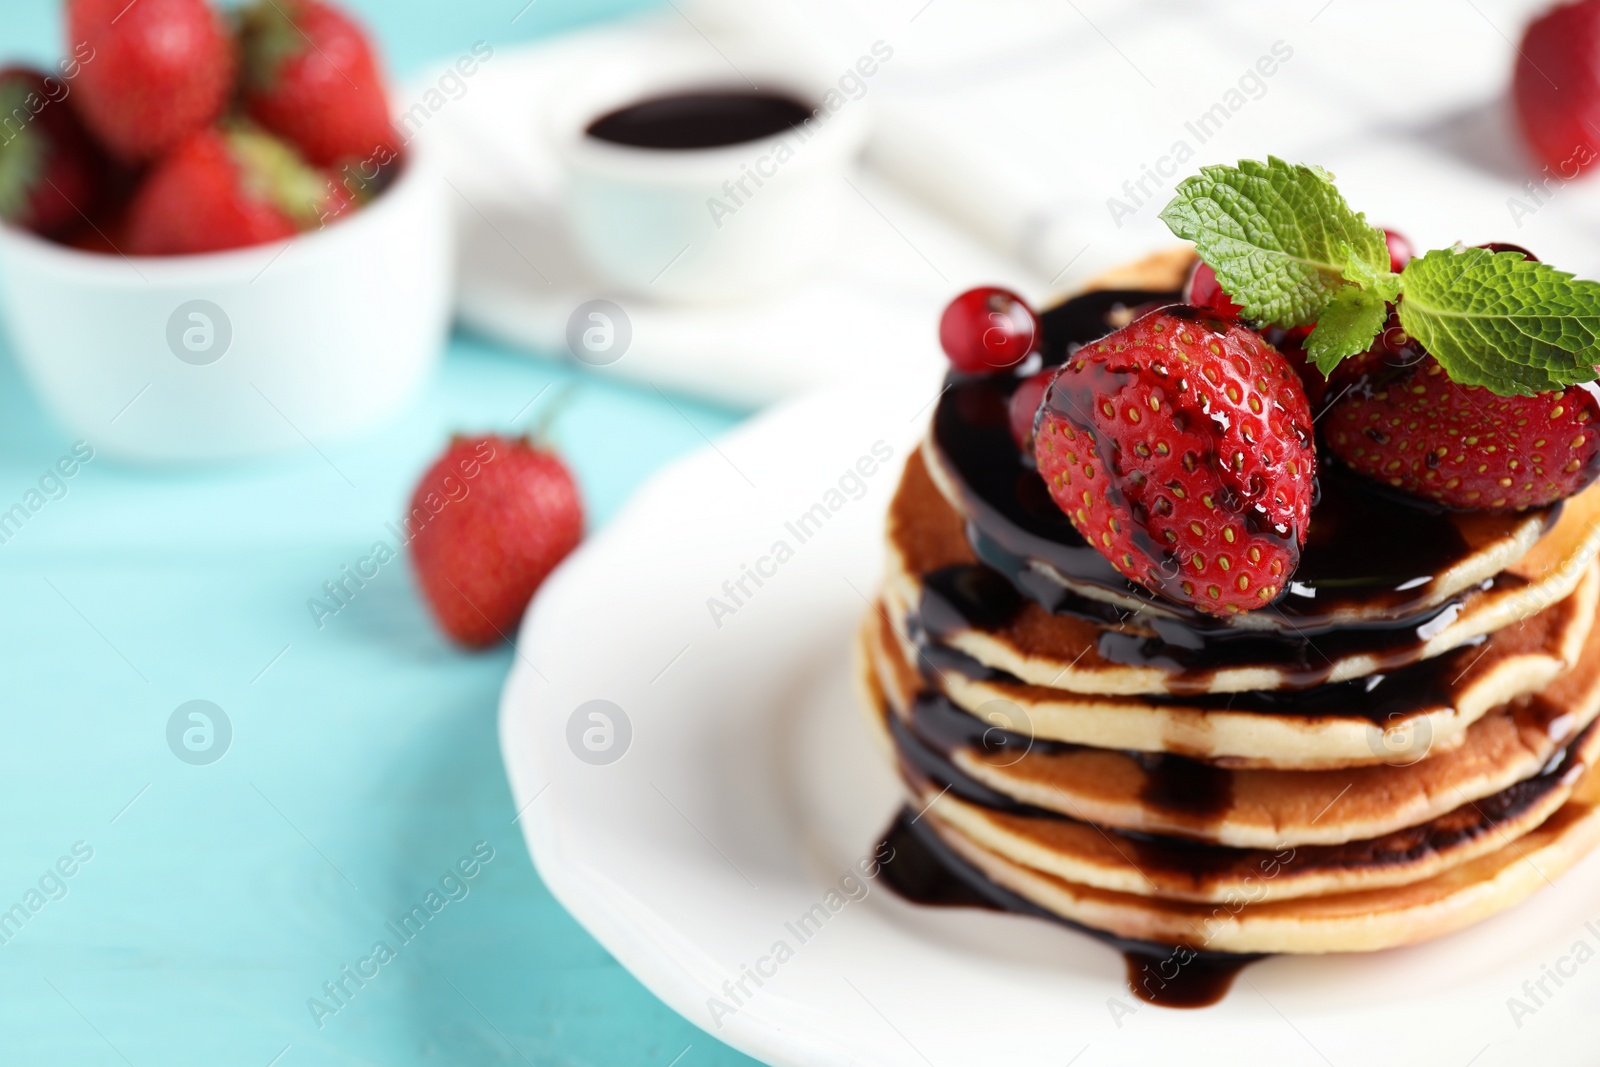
[[1390, 354], [50, 173], [1290, 344], [1203, 290], [1556, 86], [311, 76], [226, 189], [489, 521], [1465, 447], [159, 71], [1180, 446], [1024, 406]]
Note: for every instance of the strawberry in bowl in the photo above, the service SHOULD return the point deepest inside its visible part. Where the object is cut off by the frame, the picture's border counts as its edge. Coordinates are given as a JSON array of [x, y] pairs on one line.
[[188, 276]]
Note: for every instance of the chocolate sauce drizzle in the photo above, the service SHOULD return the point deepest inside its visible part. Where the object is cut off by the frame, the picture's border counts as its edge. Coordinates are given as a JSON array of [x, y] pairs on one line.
[[947, 605], [924, 870], [1366, 547], [927, 744]]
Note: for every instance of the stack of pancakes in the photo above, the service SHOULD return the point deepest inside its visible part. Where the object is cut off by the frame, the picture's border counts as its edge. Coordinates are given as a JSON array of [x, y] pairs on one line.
[[1400, 747]]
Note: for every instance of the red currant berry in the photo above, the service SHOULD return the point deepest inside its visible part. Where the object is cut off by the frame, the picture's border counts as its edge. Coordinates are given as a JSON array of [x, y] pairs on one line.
[[1502, 246], [1399, 250], [988, 329], [1024, 405], [1204, 291]]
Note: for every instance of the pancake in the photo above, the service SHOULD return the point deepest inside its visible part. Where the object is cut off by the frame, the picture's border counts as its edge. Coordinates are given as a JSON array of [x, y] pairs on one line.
[[1361, 921], [1173, 869], [1252, 808], [1421, 709], [1365, 921], [1177, 869], [929, 550], [1165, 269]]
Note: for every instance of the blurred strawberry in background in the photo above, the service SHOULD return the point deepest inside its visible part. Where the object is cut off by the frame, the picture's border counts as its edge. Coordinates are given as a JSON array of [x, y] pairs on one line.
[[1556, 87], [225, 189], [50, 173], [168, 135], [311, 76], [161, 70]]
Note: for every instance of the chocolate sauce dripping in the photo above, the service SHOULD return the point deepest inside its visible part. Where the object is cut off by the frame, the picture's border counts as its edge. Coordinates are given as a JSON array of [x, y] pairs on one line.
[[924, 870]]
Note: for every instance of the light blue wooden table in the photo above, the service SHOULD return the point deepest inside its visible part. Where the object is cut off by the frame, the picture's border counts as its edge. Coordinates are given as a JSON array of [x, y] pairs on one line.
[[219, 899]]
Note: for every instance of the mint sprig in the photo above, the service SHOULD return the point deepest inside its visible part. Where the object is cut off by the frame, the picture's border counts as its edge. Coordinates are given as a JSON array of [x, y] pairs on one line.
[[1290, 251], [1503, 321]]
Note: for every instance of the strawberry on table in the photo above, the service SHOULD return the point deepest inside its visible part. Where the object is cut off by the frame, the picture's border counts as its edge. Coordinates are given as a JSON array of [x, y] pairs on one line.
[[490, 520], [1180, 446], [50, 173], [312, 77], [160, 71], [224, 189]]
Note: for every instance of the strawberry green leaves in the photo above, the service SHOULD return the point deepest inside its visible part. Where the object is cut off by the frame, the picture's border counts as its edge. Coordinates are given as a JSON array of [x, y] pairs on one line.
[[21, 155], [1289, 251], [1502, 321]]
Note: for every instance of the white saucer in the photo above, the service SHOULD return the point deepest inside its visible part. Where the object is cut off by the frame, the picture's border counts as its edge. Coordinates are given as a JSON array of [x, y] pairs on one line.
[[750, 788], [873, 305]]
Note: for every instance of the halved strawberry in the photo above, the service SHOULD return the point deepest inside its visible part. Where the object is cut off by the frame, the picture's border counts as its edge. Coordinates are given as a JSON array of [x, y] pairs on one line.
[[1465, 447], [1180, 446]]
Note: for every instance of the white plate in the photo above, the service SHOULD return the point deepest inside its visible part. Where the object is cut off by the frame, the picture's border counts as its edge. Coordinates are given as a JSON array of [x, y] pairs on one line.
[[750, 787]]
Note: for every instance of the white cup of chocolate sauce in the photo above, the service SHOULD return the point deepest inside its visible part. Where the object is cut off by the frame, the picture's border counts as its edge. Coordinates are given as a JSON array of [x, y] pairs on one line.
[[689, 183]]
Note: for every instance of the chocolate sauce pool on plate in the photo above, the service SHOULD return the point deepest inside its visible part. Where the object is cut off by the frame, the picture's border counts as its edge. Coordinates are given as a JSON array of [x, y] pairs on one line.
[[924, 870], [702, 119]]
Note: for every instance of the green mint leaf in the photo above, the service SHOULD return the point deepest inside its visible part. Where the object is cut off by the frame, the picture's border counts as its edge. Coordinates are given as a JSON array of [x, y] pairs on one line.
[[1347, 325], [1380, 280], [1502, 321], [1282, 240]]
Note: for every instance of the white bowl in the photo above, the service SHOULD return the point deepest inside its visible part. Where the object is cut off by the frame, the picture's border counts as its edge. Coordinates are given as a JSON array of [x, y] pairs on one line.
[[243, 353], [669, 224]]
